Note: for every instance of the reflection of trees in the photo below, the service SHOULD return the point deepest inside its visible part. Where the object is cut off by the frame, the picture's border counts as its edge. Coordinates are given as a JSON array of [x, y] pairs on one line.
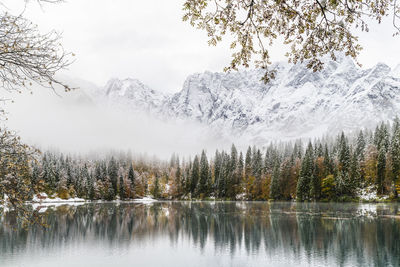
[[315, 230]]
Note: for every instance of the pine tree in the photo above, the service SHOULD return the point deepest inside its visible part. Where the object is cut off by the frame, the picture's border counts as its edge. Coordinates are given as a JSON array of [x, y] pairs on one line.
[[104, 171], [178, 179], [231, 178], [90, 187], [62, 189], [49, 172], [113, 175], [195, 176], [381, 167], [344, 184], [155, 191], [275, 191], [217, 172], [327, 162], [98, 172], [377, 137], [257, 165], [385, 137], [315, 182], [248, 170], [234, 158], [110, 193], [204, 179], [35, 174], [344, 154], [122, 191], [257, 173], [295, 151], [83, 178], [188, 177], [360, 146], [222, 184], [68, 168], [341, 183], [306, 174], [240, 169], [395, 151], [381, 137], [240, 164], [131, 178], [320, 151], [209, 181], [269, 161], [287, 177], [299, 149], [355, 175]]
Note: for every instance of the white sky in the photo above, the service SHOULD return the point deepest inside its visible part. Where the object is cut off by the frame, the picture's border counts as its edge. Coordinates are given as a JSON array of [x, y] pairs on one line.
[[146, 40], [149, 41]]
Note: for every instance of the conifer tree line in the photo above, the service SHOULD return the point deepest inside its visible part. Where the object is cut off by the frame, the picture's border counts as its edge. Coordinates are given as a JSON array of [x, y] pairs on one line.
[[331, 168]]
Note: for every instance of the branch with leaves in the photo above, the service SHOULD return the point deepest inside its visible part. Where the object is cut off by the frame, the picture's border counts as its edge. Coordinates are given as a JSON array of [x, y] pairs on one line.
[[26, 57], [16, 159], [312, 28]]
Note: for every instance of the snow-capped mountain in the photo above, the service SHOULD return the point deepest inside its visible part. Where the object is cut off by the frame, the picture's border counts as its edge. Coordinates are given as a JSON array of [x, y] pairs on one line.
[[298, 103], [130, 95]]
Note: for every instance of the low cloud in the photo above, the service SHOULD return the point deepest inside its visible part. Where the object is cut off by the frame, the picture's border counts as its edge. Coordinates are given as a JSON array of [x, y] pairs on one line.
[[73, 122]]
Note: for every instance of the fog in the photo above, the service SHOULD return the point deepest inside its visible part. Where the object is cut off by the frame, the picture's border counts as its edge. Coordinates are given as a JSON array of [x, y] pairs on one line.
[[139, 39], [73, 123]]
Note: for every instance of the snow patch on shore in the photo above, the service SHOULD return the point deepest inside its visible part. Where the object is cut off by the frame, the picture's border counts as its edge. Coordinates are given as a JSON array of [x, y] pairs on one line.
[[145, 200], [369, 193], [42, 207], [44, 198], [241, 196]]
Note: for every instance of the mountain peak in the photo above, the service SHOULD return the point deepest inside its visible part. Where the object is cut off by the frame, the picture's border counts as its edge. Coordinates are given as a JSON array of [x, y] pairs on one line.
[[128, 86], [298, 103], [130, 94]]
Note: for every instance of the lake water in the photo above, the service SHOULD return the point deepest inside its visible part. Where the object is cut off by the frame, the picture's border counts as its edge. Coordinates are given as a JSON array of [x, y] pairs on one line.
[[208, 234]]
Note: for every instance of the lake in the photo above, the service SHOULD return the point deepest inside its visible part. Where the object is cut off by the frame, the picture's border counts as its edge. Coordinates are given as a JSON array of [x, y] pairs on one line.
[[207, 234]]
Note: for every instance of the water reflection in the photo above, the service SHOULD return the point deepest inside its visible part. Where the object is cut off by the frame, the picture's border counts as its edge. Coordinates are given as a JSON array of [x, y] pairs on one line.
[[304, 233]]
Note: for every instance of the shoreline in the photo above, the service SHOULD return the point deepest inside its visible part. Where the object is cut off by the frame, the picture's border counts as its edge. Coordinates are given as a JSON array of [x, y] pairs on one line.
[[139, 200]]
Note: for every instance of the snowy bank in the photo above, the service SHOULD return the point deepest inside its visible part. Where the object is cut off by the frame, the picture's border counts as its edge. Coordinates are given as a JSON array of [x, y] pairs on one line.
[[369, 193], [146, 200], [42, 207], [43, 198]]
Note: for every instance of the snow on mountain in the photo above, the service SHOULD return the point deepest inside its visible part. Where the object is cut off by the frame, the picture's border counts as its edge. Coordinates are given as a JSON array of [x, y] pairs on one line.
[[129, 95], [396, 72], [298, 103]]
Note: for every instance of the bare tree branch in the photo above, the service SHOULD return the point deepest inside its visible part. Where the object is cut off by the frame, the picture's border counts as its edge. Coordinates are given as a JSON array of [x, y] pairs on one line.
[[28, 56]]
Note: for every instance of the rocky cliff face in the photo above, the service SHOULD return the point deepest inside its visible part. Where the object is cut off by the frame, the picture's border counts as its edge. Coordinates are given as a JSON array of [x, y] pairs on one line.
[[298, 103]]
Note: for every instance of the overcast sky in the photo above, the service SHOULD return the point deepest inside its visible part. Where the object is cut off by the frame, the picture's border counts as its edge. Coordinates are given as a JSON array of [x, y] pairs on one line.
[[147, 40]]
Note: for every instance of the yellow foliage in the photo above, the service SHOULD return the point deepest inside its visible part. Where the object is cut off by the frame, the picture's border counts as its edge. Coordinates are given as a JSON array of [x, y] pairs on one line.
[[328, 187], [371, 165], [63, 193]]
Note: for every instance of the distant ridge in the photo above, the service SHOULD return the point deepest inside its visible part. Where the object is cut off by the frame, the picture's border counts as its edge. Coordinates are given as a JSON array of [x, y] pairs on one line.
[[298, 103]]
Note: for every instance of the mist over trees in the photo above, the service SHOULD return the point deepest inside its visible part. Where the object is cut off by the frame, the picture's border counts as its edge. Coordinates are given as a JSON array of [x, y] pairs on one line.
[[331, 168]]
